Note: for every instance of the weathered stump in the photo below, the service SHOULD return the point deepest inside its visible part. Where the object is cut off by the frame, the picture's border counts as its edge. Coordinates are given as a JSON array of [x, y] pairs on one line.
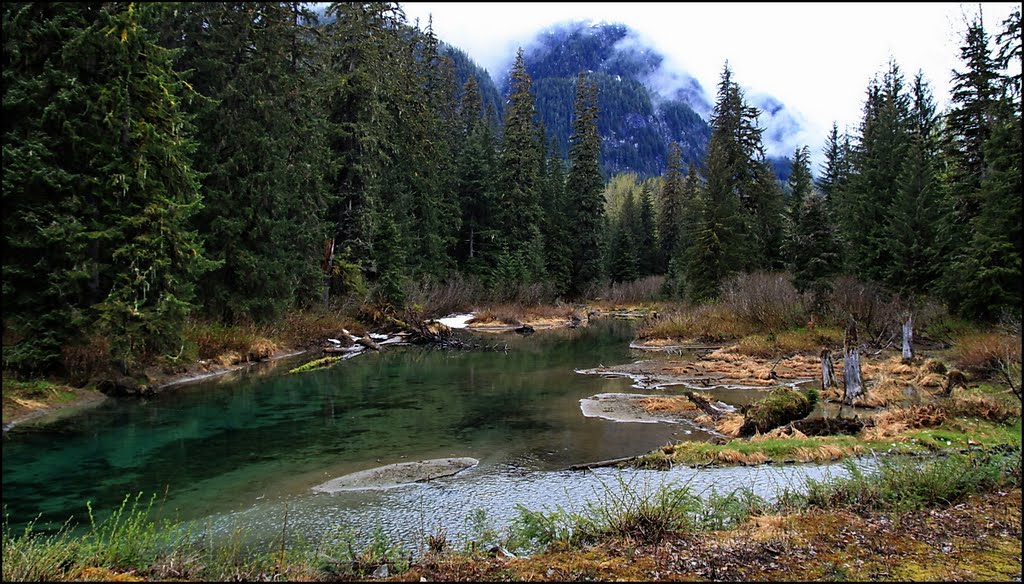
[[851, 365], [908, 338], [828, 370]]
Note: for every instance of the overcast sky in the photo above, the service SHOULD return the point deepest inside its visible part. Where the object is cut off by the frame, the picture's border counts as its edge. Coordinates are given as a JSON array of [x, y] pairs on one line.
[[817, 58]]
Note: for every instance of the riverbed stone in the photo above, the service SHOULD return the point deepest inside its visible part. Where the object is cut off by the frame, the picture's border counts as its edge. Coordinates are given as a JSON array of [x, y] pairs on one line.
[[396, 475]]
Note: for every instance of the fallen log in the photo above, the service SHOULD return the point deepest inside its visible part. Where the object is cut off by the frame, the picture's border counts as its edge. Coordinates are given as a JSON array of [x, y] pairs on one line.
[[603, 463], [704, 404]]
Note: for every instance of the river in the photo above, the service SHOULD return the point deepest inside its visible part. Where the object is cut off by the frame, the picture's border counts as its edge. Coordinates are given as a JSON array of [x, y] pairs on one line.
[[249, 447]]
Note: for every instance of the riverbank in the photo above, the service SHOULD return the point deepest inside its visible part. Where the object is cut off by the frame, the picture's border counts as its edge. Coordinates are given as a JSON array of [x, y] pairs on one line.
[[41, 401], [955, 518]]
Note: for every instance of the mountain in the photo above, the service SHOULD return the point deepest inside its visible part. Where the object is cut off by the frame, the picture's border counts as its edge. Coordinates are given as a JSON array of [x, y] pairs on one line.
[[642, 105], [636, 124]]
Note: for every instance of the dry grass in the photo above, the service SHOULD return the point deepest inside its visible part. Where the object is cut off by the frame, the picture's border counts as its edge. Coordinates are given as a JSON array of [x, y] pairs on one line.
[[705, 323], [825, 452], [729, 424], [982, 352], [517, 314], [895, 422], [887, 391], [802, 340], [666, 404], [974, 405], [787, 431]]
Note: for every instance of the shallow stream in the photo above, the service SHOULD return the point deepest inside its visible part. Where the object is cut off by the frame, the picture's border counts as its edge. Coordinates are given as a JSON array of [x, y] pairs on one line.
[[248, 446]]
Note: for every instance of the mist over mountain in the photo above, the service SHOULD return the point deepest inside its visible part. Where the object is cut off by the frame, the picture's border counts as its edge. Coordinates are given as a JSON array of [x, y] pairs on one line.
[[643, 103]]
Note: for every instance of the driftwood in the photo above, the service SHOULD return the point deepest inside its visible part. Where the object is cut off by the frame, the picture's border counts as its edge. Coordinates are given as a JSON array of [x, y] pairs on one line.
[[851, 365], [704, 405], [603, 463], [908, 338], [828, 370]]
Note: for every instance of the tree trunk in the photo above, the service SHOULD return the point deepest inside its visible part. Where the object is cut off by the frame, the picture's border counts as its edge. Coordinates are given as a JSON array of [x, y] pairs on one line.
[[828, 370], [851, 365], [908, 338]]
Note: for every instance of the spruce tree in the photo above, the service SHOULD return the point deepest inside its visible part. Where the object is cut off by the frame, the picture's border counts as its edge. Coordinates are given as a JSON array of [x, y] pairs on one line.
[[519, 211], [815, 255], [98, 186], [915, 247], [585, 203], [644, 233], [624, 257], [725, 236], [878, 164], [261, 154], [671, 208], [985, 278]]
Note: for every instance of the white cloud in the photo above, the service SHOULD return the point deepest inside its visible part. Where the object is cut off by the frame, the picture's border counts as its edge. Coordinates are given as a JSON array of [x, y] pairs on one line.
[[815, 58]]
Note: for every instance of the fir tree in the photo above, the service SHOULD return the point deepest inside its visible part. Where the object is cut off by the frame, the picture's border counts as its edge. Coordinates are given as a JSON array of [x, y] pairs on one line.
[[583, 191], [671, 208], [98, 188], [916, 212], [519, 210]]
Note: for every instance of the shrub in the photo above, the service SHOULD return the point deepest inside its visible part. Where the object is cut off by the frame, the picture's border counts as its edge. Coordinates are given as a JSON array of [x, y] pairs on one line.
[[982, 353], [766, 301], [647, 289], [706, 323], [876, 311], [782, 406]]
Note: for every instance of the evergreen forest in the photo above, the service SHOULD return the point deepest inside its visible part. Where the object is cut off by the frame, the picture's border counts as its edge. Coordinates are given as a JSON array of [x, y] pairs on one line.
[[238, 162]]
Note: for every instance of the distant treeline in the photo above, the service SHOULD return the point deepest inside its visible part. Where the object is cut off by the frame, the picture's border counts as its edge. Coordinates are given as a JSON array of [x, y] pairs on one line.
[[236, 161]]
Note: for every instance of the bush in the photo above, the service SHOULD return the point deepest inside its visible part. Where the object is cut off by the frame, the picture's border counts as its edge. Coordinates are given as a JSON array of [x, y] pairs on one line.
[[983, 353], [646, 289], [710, 323], [765, 301], [876, 311], [782, 406]]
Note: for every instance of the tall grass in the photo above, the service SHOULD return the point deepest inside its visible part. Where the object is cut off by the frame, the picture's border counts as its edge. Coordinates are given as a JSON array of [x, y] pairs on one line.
[[902, 484]]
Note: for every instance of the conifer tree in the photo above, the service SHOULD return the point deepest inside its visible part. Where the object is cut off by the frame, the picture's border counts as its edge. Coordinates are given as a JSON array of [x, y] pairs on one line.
[[644, 233], [878, 164], [916, 252], [557, 234], [671, 208], [624, 258], [585, 203], [519, 211], [262, 152], [815, 255], [98, 188], [723, 242], [360, 47], [985, 278]]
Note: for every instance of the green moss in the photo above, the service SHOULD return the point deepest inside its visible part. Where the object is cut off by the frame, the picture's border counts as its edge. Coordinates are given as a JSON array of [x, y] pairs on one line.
[[316, 364], [783, 405]]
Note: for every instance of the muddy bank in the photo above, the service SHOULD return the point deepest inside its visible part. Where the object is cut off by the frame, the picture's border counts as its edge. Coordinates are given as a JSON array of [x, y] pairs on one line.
[[396, 475]]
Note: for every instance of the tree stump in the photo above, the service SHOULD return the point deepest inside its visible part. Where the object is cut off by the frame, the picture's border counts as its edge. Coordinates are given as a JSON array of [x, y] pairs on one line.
[[908, 338], [851, 365], [828, 370]]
